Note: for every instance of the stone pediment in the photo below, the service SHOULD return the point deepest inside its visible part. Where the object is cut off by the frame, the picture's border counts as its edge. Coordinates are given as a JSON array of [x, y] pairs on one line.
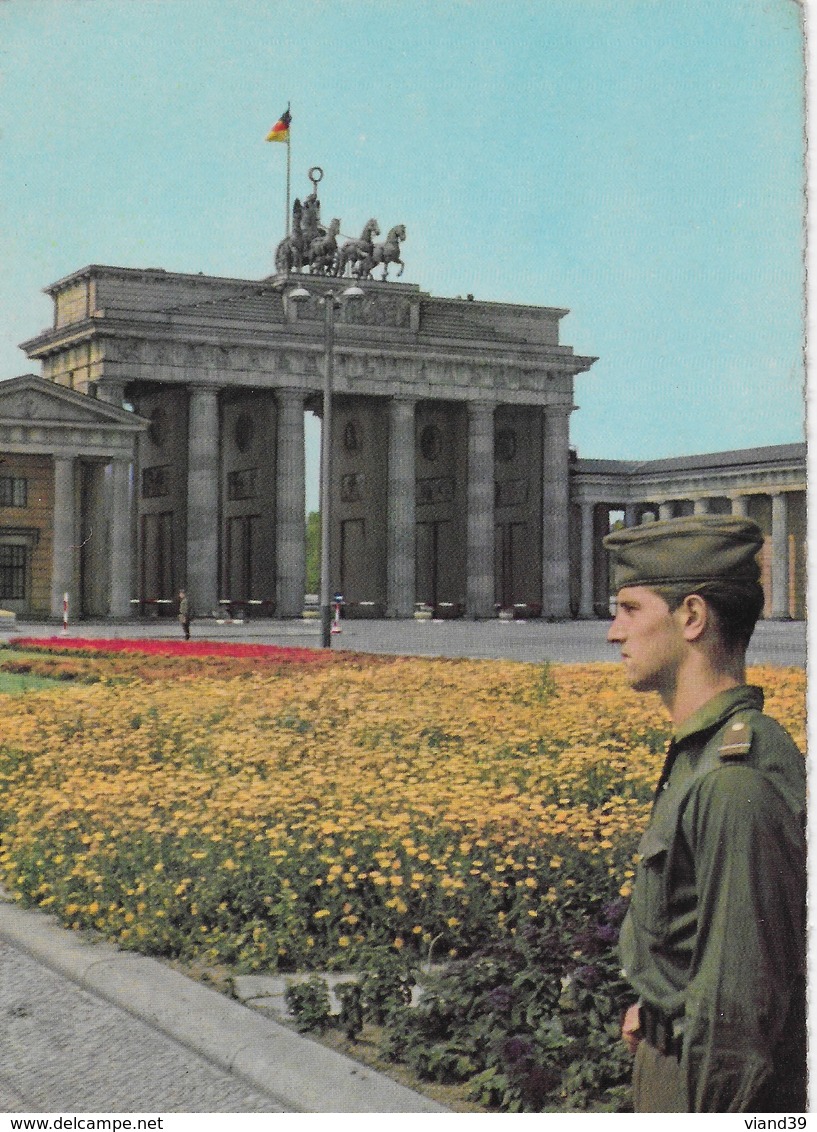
[[30, 400]]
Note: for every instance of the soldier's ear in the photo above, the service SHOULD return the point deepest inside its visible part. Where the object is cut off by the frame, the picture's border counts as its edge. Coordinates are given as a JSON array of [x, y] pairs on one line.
[[694, 616]]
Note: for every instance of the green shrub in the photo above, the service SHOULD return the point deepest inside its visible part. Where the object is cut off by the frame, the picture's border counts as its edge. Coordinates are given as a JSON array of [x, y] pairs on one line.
[[386, 984], [350, 1019], [530, 1023], [309, 1003]]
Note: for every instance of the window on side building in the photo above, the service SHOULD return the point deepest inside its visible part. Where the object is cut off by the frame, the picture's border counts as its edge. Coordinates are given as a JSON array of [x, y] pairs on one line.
[[13, 491], [13, 562]]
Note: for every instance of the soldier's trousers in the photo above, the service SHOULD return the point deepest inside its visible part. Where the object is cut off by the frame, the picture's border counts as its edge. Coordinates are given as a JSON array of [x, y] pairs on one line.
[[658, 1084]]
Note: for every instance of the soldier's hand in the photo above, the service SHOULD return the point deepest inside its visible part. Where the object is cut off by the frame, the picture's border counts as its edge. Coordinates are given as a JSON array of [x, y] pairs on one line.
[[631, 1027]]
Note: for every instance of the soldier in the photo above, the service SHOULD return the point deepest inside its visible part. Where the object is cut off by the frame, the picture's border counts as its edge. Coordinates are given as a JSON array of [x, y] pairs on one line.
[[714, 940]]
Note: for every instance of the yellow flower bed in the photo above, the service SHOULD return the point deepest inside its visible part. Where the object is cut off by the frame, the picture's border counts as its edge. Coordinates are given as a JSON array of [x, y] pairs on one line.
[[298, 818]]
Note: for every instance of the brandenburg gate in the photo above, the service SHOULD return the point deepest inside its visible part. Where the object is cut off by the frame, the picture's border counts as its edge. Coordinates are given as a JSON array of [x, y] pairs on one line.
[[451, 419], [453, 486]]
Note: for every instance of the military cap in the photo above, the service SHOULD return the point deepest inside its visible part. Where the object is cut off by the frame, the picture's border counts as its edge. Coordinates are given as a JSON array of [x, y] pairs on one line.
[[694, 550]]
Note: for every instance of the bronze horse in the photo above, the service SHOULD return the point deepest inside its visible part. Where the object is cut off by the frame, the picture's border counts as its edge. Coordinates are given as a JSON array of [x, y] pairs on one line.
[[385, 253], [323, 251], [289, 255], [353, 251]]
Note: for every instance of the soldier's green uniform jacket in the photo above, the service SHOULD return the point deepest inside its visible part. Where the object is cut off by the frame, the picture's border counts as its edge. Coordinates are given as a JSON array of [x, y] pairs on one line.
[[714, 940]]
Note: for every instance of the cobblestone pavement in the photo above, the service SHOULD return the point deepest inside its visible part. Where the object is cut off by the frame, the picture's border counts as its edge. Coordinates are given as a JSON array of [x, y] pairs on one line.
[[65, 1050]]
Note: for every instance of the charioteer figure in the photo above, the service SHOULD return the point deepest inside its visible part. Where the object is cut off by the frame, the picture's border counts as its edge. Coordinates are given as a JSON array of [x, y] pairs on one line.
[[313, 247]]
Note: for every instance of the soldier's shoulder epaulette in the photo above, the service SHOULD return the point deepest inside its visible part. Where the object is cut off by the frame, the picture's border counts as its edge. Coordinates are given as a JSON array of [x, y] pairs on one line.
[[736, 740]]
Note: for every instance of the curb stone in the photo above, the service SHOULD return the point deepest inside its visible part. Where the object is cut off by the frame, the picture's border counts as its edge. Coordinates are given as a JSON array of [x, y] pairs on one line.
[[289, 1068], [268, 992]]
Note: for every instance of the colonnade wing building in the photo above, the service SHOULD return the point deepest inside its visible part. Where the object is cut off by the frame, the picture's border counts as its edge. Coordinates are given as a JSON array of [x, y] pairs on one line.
[[454, 485], [765, 484]]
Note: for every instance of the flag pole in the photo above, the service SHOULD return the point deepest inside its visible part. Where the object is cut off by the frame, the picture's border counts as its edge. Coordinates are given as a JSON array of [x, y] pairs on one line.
[[289, 135], [280, 133]]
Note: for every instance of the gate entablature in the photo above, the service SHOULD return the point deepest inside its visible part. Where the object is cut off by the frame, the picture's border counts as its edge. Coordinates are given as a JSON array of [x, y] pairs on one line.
[[126, 325]]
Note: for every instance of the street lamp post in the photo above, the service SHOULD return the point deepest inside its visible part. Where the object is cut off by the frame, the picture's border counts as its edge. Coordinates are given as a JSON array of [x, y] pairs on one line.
[[331, 301]]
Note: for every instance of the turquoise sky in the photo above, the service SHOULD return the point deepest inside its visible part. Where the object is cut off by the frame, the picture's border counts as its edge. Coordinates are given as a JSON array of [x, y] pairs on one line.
[[637, 161]]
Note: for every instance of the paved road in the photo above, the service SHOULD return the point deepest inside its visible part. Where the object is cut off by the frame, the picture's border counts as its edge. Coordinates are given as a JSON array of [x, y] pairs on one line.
[[65, 1050], [774, 642]]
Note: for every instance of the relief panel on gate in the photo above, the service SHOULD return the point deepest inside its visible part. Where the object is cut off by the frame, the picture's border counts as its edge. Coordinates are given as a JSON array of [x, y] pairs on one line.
[[162, 498], [249, 445], [517, 506], [360, 432], [441, 474]]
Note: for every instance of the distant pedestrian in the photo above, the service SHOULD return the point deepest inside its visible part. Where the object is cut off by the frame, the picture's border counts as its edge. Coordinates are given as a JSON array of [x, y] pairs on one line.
[[185, 614]]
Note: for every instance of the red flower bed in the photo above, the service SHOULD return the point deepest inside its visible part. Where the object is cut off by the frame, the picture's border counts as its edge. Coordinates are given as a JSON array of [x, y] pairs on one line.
[[272, 653]]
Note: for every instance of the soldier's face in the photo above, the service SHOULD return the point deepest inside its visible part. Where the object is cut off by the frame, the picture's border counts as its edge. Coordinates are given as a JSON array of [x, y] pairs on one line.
[[651, 639]]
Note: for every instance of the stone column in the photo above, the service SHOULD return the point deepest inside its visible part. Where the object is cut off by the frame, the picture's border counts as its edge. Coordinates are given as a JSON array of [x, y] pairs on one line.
[[588, 549], [740, 505], [665, 510], [120, 548], [480, 543], [63, 548], [780, 556], [202, 499], [630, 515], [555, 513], [290, 505], [700, 506], [400, 581]]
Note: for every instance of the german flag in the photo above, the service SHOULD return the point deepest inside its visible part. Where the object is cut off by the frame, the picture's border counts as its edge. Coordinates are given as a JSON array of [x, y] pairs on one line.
[[280, 131]]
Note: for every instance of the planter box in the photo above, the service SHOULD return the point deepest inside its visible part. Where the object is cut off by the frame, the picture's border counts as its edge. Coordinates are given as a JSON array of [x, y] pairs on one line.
[[525, 609], [361, 610], [243, 610], [448, 610]]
